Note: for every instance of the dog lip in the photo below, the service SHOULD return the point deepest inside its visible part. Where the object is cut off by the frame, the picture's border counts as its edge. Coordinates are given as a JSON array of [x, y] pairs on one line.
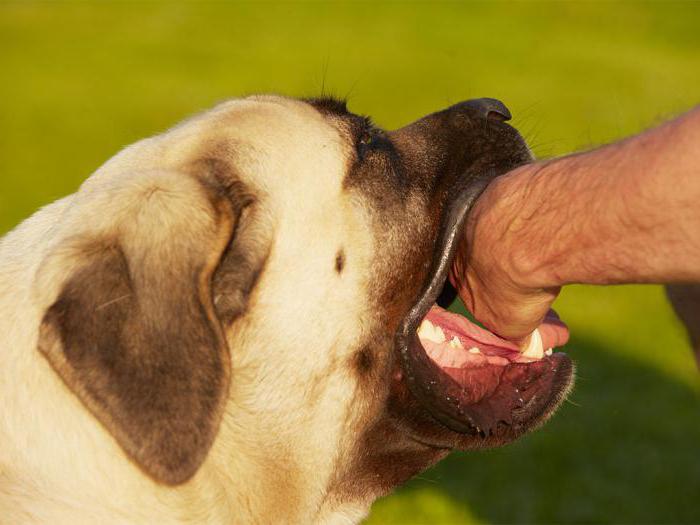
[[448, 241], [414, 361]]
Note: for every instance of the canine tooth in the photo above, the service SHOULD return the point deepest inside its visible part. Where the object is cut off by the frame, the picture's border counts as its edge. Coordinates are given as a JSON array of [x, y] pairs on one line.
[[440, 335], [548, 352], [425, 328], [429, 331], [474, 350], [456, 343], [534, 349]]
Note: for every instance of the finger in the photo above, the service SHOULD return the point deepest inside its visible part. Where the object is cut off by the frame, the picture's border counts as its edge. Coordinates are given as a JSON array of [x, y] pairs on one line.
[[553, 330], [515, 326]]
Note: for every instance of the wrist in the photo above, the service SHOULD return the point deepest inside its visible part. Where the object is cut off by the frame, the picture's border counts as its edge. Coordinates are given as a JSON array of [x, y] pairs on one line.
[[623, 213], [502, 221]]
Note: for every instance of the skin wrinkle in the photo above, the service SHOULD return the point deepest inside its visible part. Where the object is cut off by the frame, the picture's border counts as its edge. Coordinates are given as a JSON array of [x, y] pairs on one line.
[[632, 214], [551, 219], [622, 218], [595, 215], [512, 227]]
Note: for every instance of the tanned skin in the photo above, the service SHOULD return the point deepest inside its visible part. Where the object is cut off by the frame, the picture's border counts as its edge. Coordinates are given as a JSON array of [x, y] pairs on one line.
[[628, 212]]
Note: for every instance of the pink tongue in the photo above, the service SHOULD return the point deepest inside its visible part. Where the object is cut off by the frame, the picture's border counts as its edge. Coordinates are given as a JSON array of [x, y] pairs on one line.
[[554, 333]]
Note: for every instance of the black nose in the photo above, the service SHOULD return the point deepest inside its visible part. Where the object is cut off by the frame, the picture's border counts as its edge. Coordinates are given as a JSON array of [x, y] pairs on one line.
[[488, 108]]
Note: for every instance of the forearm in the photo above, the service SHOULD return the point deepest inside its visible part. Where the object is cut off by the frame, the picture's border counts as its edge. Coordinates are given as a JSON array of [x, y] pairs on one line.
[[627, 212]]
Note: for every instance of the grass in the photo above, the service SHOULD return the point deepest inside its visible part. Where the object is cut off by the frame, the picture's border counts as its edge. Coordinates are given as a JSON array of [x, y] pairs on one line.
[[81, 80]]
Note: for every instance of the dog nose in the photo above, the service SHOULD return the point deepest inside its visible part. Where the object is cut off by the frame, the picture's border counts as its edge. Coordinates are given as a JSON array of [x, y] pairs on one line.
[[488, 108]]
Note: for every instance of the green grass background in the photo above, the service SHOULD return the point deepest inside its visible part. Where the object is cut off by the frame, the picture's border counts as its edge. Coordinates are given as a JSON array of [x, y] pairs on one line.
[[79, 81]]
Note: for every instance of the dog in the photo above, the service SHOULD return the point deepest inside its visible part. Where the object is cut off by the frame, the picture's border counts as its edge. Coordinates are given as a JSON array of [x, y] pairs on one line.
[[235, 321]]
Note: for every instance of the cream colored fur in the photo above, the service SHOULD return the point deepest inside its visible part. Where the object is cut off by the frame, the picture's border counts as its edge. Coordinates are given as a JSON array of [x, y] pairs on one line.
[[275, 453]]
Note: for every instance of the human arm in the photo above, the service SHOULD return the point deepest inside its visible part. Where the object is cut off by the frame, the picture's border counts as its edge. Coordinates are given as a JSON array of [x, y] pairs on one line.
[[628, 212]]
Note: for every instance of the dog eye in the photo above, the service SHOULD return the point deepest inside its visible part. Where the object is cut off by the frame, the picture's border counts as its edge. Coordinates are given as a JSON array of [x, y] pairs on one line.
[[366, 139], [365, 143]]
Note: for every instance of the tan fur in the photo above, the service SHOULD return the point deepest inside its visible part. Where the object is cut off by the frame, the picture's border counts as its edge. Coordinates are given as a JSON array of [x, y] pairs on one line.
[[275, 453], [208, 330]]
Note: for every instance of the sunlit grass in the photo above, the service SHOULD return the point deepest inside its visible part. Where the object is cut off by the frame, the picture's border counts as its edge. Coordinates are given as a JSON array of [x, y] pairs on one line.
[[82, 80]]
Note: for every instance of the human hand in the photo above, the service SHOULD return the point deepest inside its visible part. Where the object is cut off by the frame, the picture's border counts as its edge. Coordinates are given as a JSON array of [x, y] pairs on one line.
[[623, 213], [490, 276]]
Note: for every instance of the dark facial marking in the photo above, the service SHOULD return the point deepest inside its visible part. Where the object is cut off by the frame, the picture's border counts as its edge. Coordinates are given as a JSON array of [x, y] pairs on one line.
[[149, 361], [340, 261], [364, 360], [135, 335]]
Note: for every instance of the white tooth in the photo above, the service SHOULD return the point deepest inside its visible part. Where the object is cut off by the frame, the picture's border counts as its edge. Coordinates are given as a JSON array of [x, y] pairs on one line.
[[429, 331], [474, 350], [534, 349], [440, 335], [433, 335], [425, 328], [548, 352], [456, 343]]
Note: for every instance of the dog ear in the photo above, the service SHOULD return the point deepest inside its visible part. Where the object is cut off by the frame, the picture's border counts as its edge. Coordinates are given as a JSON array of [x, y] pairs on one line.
[[134, 332]]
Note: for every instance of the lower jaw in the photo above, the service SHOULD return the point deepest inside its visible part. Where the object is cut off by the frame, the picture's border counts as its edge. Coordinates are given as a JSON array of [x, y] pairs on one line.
[[512, 400], [496, 391]]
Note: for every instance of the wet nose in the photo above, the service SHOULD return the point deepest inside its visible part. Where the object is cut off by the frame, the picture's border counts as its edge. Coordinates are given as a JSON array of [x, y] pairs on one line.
[[488, 108]]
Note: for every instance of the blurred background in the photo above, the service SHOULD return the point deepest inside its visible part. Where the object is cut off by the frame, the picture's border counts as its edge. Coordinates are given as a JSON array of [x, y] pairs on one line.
[[82, 80]]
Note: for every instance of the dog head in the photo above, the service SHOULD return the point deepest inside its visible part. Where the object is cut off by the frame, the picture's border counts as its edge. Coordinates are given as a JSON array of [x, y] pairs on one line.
[[241, 295]]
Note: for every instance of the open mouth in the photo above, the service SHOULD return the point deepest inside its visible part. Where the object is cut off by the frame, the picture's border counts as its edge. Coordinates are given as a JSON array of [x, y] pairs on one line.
[[469, 379], [458, 345], [497, 382]]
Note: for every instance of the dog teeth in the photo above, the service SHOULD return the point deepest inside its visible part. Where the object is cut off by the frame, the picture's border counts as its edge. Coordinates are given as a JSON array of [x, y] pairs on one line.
[[440, 335], [456, 343], [429, 331], [548, 352], [474, 350], [534, 350], [425, 328]]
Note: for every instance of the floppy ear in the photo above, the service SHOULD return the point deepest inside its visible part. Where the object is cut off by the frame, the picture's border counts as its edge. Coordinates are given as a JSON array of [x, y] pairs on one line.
[[133, 331]]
